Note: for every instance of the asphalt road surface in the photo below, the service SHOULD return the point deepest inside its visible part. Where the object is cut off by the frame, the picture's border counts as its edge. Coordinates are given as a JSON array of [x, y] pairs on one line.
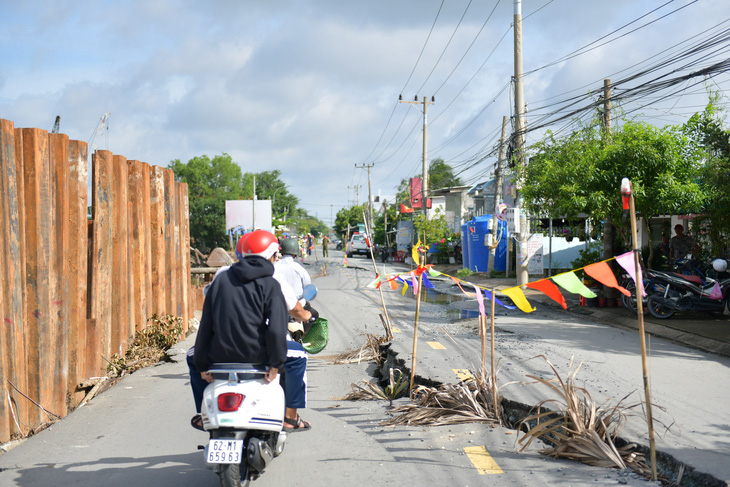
[[138, 434]]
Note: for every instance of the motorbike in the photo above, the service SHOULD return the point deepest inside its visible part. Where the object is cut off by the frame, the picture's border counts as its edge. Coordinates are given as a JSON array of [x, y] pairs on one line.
[[243, 414], [672, 292]]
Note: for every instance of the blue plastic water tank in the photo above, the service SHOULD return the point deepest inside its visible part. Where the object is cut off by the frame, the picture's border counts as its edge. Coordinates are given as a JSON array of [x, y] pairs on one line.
[[465, 245], [478, 229]]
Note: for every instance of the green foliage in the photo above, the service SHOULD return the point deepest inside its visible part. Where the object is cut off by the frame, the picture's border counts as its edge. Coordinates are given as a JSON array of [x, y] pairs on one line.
[[348, 216], [210, 183], [591, 255], [464, 272], [397, 387], [582, 173], [432, 230]]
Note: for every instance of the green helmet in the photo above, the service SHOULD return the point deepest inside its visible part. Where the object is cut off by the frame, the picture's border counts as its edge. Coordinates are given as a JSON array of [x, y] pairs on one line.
[[289, 246]]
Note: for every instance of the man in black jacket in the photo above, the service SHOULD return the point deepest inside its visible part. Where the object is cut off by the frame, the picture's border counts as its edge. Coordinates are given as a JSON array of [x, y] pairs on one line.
[[244, 314]]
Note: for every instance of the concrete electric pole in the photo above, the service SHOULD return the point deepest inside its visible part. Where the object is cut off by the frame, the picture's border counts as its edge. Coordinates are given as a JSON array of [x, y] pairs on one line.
[[520, 144], [424, 178], [370, 194]]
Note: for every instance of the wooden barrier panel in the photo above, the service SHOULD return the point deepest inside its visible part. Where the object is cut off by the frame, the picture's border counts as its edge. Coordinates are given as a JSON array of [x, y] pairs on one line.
[[38, 242], [100, 282], [77, 266], [157, 241], [120, 269], [59, 312], [74, 289]]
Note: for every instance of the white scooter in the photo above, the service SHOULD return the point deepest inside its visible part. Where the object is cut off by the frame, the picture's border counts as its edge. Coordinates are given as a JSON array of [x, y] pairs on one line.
[[244, 415]]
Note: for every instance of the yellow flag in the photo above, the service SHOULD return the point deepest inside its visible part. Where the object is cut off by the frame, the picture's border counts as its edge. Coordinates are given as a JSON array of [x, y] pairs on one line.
[[518, 297], [414, 253], [405, 288]]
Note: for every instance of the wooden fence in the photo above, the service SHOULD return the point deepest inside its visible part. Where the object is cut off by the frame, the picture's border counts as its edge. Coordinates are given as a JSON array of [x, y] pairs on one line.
[[74, 289]]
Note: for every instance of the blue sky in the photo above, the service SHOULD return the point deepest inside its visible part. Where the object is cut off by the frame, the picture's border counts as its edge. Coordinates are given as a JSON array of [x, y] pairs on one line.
[[310, 87]]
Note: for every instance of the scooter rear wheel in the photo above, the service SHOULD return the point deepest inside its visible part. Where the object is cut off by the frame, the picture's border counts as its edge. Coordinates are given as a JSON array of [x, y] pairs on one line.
[[235, 475], [657, 309]]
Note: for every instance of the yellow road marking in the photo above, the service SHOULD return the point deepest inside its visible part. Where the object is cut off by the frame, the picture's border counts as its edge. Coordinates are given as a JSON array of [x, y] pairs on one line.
[[396, 329], [482, 460], [463, 374], [436, 346]]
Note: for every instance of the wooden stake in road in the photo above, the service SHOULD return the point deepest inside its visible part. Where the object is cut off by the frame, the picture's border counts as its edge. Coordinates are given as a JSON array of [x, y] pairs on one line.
[[628, 197], [388, 326], [415, 327], [494, 367]]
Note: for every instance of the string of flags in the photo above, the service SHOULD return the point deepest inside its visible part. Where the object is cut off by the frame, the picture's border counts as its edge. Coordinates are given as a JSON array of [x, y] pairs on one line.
[[550, 286]]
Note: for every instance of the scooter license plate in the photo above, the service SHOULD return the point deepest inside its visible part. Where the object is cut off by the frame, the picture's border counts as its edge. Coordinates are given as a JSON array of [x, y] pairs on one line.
[[225, 451]]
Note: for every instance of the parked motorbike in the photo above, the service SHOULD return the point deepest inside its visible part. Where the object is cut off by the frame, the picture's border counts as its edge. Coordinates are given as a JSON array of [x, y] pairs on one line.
[[672, 292]]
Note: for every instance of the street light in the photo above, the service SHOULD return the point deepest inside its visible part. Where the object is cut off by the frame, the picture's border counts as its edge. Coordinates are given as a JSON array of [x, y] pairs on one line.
[[273, 197]]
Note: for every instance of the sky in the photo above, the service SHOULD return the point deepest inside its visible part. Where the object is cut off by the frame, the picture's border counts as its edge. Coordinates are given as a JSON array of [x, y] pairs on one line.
[[311, 87]]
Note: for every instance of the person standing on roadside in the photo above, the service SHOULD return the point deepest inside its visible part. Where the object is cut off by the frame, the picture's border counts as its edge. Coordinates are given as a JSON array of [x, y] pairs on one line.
[[681, 245], [325, 245]]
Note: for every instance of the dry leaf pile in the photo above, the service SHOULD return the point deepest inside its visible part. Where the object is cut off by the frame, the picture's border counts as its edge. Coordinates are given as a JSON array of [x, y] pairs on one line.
[[366, 353], [148, 346], [469, 401], [579, 429]]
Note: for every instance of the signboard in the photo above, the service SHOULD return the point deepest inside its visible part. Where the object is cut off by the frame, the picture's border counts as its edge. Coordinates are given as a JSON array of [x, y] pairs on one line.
[[534, 255], [240, 213], [512, 215]]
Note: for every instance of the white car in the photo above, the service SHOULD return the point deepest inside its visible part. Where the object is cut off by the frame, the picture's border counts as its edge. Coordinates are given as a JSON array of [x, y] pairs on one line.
[[358, 245]]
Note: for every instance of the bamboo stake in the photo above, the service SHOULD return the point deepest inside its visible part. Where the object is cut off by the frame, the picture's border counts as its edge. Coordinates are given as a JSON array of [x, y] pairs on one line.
[[640, 314], [415, 332], [494, 367], [388, 328]]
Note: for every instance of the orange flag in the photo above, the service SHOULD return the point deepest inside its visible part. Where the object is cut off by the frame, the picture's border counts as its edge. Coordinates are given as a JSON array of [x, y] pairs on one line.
[[601, 272], [551, 290]]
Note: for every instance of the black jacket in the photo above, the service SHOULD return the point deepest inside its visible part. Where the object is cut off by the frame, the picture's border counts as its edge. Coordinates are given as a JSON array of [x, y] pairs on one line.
[[244, 317]]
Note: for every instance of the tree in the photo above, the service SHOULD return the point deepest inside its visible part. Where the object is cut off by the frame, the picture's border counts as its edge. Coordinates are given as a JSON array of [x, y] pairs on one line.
[[582, 173], [348, 216], [269, 186], [210, 183], [440, 175]]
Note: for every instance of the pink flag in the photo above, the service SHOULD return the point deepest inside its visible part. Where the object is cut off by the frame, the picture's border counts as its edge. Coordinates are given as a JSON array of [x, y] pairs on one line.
[[480, 300], [627, 262], [414, 282]]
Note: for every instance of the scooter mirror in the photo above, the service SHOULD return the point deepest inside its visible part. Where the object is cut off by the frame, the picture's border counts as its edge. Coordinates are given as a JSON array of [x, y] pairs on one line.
[[309, 292]]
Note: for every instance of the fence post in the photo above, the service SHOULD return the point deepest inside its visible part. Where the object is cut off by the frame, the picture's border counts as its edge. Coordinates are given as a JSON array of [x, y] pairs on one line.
[[172, 244], [119, 272], [77, 265], [139, 227], [184, 253], [100, 284], [59, 311], [157, 241]]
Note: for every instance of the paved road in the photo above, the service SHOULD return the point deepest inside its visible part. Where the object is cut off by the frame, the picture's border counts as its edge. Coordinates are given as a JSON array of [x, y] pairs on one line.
[[137, 433]]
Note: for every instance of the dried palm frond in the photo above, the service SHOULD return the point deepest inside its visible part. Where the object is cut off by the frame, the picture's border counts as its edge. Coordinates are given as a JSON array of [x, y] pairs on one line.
[[469, 401], [580, 429], [365, 392], [366, 353], [397, 387]]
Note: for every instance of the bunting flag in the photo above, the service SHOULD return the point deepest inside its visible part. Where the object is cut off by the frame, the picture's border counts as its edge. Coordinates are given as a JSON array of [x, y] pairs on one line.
[[414, 253], [627, 262], [426, 282], [601, 272], [414, 283], [375, 284], [570, 282], [518, 297], [546, 287], [405, 288], [496, 300], [480, 300], [433, 272], [393, 284], [458, 283]]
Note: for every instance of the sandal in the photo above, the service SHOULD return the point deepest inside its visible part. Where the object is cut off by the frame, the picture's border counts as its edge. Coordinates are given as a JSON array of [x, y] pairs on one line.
[[297, 424], [197, 422]]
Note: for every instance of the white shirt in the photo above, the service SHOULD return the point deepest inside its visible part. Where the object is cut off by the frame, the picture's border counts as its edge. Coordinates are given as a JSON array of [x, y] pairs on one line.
[[289, 295], [290, 271]]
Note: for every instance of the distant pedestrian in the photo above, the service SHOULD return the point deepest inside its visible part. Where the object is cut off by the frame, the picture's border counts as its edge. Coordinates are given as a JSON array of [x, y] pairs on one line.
[[325, 245]]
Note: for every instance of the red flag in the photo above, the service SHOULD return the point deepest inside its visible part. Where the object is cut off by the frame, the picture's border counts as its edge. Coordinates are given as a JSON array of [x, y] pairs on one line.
[[405, 209], [550, 289]]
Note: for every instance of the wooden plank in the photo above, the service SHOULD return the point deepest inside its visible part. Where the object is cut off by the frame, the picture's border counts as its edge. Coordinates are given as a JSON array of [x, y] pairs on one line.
[[38, 205], [171, 242], [77, 265], [100, 284], [184, 252], [12, 358], [157, 241], [139, 199], [60, 277], [146, 278], [119, 273]]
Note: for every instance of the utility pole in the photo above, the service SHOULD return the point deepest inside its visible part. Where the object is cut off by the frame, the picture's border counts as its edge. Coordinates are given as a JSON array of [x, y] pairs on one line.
[[357, 193], [370, 195], [519, 141], [608, 229], [424, 178], [498, 175]]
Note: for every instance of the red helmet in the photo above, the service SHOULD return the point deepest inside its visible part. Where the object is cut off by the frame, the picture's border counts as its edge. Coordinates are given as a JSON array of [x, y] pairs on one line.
[[239, 246], [261, 243]]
